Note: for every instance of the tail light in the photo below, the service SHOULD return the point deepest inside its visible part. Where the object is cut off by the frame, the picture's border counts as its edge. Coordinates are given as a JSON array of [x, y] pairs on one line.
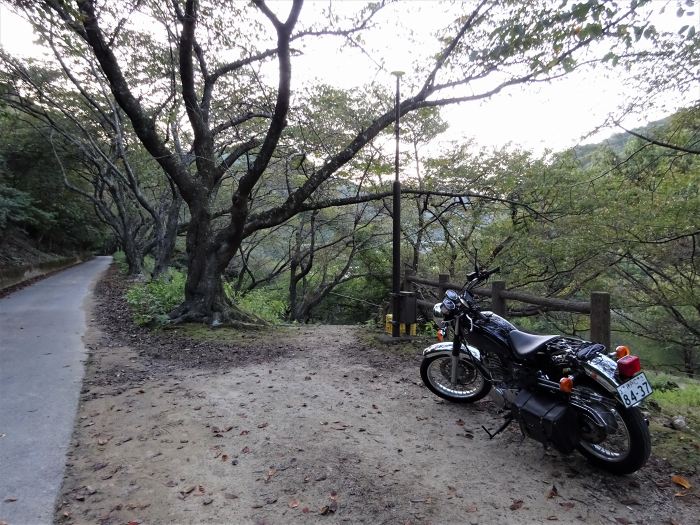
[[628, 366]]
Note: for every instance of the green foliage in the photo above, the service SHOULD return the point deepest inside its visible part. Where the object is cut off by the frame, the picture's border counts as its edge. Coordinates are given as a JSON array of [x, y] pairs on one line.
[[675, 394], [32, 192], [150, 302], [120, 260], [16, 208], [268, 303]]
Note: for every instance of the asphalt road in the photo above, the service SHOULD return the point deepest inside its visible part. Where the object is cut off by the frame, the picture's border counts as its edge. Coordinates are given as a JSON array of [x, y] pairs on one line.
[[41, 371]]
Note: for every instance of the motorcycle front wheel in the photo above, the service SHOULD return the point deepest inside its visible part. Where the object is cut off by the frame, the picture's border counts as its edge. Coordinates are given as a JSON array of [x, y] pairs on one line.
[[626, 448], [436, 373]]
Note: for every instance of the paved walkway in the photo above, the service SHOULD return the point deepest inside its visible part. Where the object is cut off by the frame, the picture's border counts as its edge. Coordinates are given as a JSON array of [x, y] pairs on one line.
[[41, 371]]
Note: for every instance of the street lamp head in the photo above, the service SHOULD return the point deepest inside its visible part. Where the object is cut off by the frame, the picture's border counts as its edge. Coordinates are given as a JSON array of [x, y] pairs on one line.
[[398, 74]]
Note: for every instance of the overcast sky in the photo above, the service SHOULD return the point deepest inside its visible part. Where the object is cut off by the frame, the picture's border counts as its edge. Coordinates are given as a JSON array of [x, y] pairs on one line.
[[544, 116]]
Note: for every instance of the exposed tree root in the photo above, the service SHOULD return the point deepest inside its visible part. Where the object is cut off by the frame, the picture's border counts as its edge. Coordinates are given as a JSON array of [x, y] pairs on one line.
[[221, 315]]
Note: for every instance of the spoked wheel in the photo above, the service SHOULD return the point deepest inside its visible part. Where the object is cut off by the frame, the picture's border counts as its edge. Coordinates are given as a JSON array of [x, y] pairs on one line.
[[471, 385], [626, 446]]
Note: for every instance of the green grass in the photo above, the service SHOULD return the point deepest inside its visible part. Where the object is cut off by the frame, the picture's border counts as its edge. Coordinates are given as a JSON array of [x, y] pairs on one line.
[[685, 399]]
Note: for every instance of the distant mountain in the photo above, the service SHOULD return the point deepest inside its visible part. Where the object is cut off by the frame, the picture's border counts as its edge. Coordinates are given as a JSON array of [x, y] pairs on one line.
[[617, 141]]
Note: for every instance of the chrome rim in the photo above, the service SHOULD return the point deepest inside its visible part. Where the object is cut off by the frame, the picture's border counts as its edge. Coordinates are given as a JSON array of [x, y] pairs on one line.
[[469, 379], [617, 444]]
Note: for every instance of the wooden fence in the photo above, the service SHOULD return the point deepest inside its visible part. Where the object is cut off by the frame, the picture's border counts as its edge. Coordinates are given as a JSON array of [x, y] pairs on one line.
[[598, 308]]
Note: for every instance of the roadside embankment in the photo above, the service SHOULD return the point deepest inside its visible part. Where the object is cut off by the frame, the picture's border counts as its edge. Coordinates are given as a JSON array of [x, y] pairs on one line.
[[14, 277]]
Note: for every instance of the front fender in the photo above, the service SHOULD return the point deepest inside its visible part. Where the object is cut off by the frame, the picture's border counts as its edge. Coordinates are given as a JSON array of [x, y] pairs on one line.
[[446, 348]]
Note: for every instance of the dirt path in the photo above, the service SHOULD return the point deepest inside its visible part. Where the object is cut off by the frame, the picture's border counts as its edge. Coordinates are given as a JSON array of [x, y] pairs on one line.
[[317, 427]]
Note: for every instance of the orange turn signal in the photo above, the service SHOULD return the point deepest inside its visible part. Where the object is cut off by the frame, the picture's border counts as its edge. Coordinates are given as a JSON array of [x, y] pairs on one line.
[[566, 384], [440, 336], [621, 351]]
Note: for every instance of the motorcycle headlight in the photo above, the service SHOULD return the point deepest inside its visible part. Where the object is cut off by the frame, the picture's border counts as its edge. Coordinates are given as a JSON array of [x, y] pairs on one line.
[[437, 314], [444, 310], [448, 307]]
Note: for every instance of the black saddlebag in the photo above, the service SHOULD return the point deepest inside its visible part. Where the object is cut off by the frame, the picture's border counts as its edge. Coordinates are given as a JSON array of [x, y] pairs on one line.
[[547, 420]]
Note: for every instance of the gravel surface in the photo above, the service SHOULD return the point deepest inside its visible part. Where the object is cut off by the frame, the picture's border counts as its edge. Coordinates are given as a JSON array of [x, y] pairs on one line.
[[313, 424]]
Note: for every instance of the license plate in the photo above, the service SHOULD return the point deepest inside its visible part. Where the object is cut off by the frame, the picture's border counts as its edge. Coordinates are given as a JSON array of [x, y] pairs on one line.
[[634, 390]]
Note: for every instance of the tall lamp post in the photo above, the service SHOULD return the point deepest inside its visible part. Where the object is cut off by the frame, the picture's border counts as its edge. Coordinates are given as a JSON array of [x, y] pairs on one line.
[[396, 246]]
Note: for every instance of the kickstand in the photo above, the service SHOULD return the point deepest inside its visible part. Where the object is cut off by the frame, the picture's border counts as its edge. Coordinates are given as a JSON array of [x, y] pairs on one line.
[[500, 429]]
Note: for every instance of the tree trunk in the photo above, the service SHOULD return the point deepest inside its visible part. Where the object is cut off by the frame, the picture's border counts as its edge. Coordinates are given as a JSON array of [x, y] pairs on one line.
[[689, 361], [208, 256], [133, 254], [293, 281], [165, 244]]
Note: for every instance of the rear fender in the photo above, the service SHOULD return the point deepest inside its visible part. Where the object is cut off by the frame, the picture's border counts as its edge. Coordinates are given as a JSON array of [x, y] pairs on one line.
[[602, 370], [446, 349]]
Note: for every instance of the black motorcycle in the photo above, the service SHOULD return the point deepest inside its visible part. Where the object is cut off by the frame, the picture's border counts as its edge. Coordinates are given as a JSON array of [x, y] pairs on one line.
[[564, 392]]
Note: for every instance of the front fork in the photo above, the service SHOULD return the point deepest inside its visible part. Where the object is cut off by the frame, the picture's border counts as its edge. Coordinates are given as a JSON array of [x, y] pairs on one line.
[[456, 347]]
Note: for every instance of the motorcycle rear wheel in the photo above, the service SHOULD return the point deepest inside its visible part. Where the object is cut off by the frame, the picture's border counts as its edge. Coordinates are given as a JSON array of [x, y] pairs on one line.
[[435, 371], [627, 450]]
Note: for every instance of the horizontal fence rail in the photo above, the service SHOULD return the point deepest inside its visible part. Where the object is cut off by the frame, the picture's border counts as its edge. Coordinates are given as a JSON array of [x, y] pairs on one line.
[[598, 308]]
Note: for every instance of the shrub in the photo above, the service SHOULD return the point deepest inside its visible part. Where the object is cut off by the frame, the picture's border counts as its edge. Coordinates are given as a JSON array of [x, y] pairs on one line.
[[120, 260], [267, 303], [150, 302]]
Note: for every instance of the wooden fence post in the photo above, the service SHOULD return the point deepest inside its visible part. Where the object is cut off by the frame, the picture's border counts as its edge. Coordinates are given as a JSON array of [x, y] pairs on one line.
[[600, 318], [498, 303], [443, 279]]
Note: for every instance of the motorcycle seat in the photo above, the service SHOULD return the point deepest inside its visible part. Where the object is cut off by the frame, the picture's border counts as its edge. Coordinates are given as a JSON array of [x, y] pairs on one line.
[[525, 345]]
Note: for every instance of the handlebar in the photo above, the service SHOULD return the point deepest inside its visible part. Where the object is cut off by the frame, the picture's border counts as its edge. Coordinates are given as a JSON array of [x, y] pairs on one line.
[[482, 275]]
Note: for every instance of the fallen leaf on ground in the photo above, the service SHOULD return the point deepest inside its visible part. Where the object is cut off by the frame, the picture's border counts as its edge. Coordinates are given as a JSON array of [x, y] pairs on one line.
[[568, 505], [472, 508], [245, 450], [224, 457], [552, 518], [138, 506], [623, 521], [244, 432], [207, 501], [293, 504], [305, 510], [460, 422], [516, 504], [11, 499], [262, 425], [553, 492], [228, 495], [680, 480], [328, 509], [188, 490]]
